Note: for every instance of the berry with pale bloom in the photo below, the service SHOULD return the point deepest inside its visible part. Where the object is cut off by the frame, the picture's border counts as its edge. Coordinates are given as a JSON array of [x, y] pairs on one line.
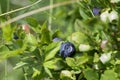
[[67, 49], [26, 28], [103, 43], [56, 39], [96, 11]]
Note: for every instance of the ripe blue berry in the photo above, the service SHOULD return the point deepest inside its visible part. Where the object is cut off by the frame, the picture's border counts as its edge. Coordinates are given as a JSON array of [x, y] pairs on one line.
[[96, 11], [67, 49], [15, 36], [57, 39]]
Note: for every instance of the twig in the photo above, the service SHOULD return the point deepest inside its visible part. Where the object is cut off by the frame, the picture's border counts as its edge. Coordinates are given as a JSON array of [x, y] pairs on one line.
[[8, 5], [36, 11], [50, 17], [20, 8], [5, 69]]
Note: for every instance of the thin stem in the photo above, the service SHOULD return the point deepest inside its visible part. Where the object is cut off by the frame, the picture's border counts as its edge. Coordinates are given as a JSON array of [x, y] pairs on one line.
[[104, 35], [50, 17], [25, 76], [36, 11], [8, 5], [91, 11], [5, 69], [0, 9], [20, 8]]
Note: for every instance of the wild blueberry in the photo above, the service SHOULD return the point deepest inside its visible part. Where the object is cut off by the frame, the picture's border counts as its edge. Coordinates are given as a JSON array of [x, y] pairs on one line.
[[15, 36], [57, 39], [96, 11], [67, 49]]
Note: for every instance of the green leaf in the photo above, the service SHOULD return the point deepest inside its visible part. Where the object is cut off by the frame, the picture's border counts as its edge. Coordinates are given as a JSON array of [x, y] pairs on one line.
[[79, 37], [45, 34], [3, 48], [7, 33], [19, 65], [83, 59], [109, 75], [48, 71], [50, 64], [83, 14], [7, 54], [31, 21], [51, 50], [30, 39], [34, 25], [117, 69], [51, 46], [56, 64], [117, 62], [18, 43], [30, 42], [91, 74], [82, 27], [70, 62], [96, 57], [36, 73], [57, 33]]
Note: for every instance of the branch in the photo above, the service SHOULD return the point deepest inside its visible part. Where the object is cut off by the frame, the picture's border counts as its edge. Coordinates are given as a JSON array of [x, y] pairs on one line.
[[36, 11], [19, 8]]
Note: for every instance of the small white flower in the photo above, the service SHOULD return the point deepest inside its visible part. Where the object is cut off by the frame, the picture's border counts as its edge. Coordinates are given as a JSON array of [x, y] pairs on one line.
[[105, 58], [113, 16], [84, 47], [104, 16], [66, 73], [96, 67], [115, 1], [103, 43]]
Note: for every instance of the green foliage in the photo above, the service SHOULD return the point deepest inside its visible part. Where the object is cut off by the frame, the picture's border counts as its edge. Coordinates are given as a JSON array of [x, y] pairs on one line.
[[109, 75], [51, 50], [97, 43], [91, 74], [7, 33]]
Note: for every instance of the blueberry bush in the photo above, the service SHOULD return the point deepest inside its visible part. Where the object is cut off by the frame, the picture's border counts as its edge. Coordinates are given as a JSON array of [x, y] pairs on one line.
[[79, 41]]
